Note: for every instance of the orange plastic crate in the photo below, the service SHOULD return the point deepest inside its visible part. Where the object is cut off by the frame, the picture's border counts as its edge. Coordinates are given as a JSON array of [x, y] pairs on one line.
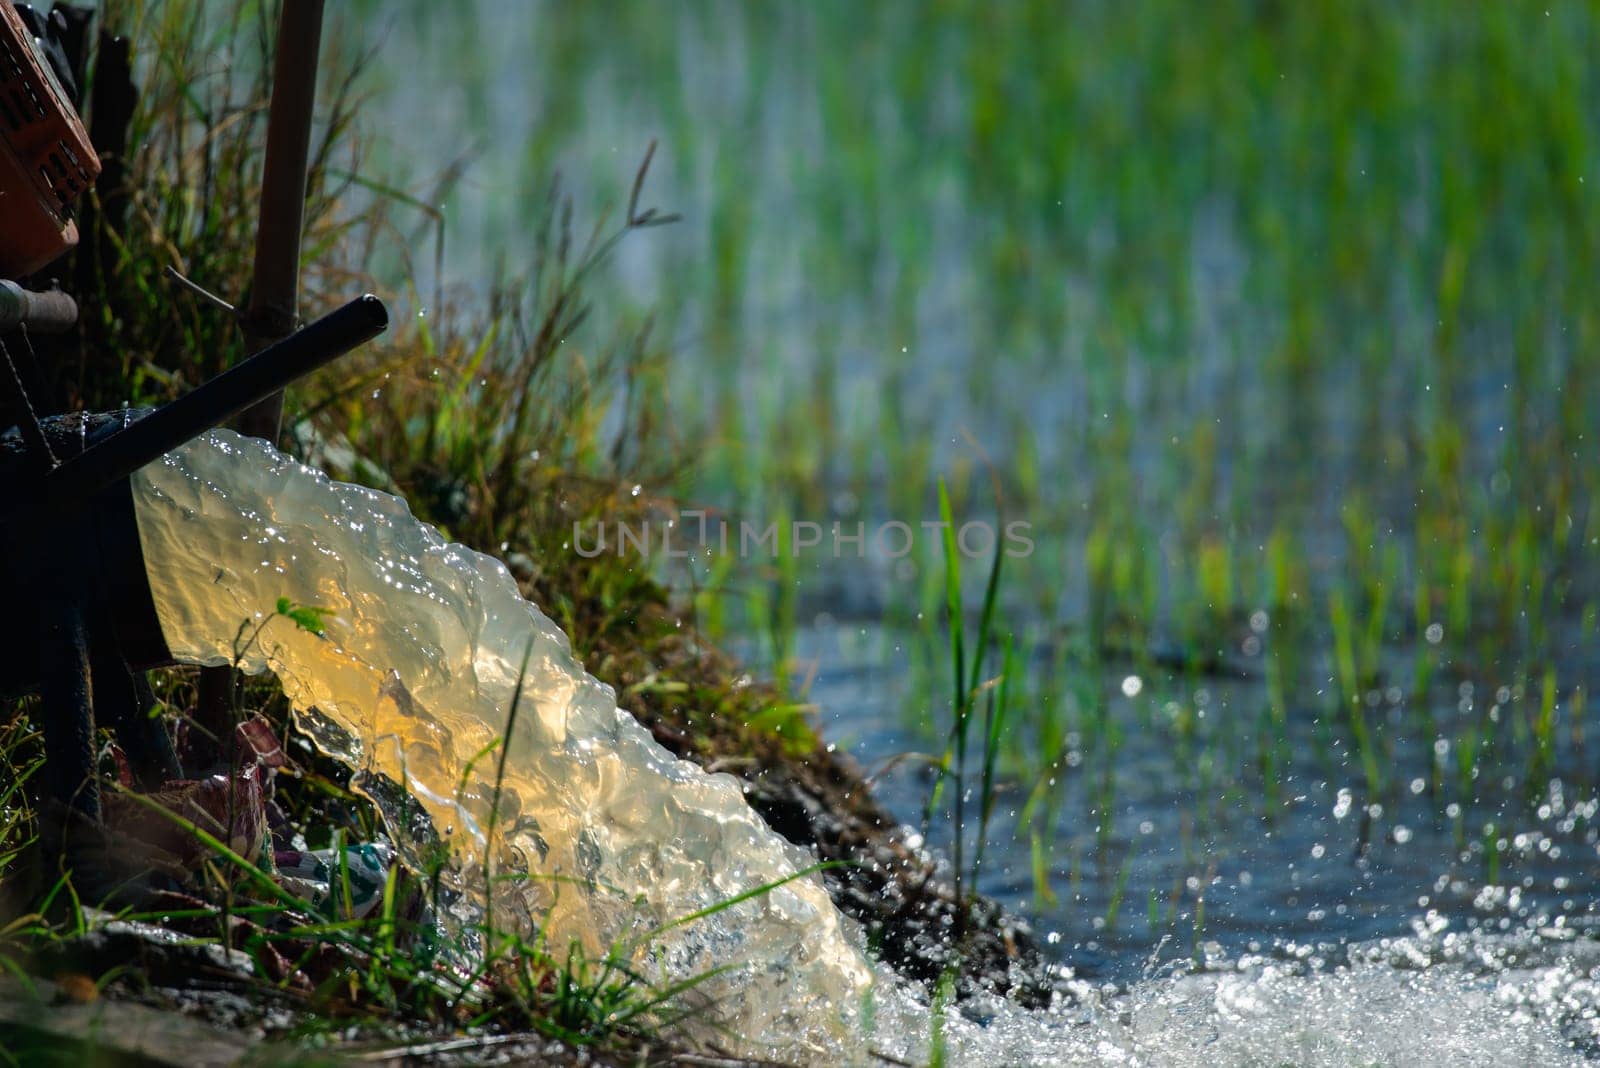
[[45, 156]]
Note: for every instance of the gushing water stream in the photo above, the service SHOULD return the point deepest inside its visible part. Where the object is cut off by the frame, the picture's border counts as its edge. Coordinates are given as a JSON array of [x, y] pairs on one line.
[[612, 837], [413, 683]]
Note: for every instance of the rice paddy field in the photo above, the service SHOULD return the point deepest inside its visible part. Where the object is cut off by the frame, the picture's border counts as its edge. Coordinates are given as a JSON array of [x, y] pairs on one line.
[[1278, 325]]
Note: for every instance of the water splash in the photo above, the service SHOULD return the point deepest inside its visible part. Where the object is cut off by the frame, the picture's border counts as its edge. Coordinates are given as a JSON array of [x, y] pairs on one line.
[[412, 684], [1454, 999]]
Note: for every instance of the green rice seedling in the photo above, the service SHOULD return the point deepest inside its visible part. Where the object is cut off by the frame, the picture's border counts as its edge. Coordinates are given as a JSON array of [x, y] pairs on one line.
[[1466, 769], [1098, 548], [1267, 757], [1577, 709], [1214, 576], [1118, 889], [996, 712], [968, 683], [1491, 854], [1543, 762], [786, 624], [1035, 745], [1039, 854], [1349, 693], [1379, 588], [1102, 814], [1512, 713], [1460, 595], [1038, 815], [1283, 632], [1535, 611], [1182, 723], [944, 993]]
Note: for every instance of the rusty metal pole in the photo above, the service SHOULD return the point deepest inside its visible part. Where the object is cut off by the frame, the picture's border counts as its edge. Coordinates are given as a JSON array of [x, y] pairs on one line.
[[275, 286]]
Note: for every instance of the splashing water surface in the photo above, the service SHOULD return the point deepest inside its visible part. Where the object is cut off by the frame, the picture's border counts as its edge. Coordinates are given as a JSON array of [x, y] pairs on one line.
[[614, 837]]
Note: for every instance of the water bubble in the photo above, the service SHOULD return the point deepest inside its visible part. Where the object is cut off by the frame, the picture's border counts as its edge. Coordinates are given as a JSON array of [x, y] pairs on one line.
[[1132, 686], [1341, 807], [1434, 633], [1259, 620]]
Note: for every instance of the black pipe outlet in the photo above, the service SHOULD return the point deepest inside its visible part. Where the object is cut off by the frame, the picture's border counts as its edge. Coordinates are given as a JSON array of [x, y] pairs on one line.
[[268, 371]]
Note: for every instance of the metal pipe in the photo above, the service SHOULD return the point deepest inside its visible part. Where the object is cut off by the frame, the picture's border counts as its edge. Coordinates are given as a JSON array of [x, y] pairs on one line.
[[244, 384], [52, 312], [274, 288]]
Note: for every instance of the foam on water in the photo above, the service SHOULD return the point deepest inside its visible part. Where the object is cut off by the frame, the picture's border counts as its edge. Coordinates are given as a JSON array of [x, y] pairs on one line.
[[1459, 1000], [414, 681]]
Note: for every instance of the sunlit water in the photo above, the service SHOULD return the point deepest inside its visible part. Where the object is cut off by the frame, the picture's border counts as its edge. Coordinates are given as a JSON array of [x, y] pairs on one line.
[[1303, 858], [414, 681]]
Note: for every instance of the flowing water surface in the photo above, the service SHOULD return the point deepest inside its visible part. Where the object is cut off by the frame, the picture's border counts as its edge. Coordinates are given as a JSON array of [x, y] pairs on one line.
[[587, 829]]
